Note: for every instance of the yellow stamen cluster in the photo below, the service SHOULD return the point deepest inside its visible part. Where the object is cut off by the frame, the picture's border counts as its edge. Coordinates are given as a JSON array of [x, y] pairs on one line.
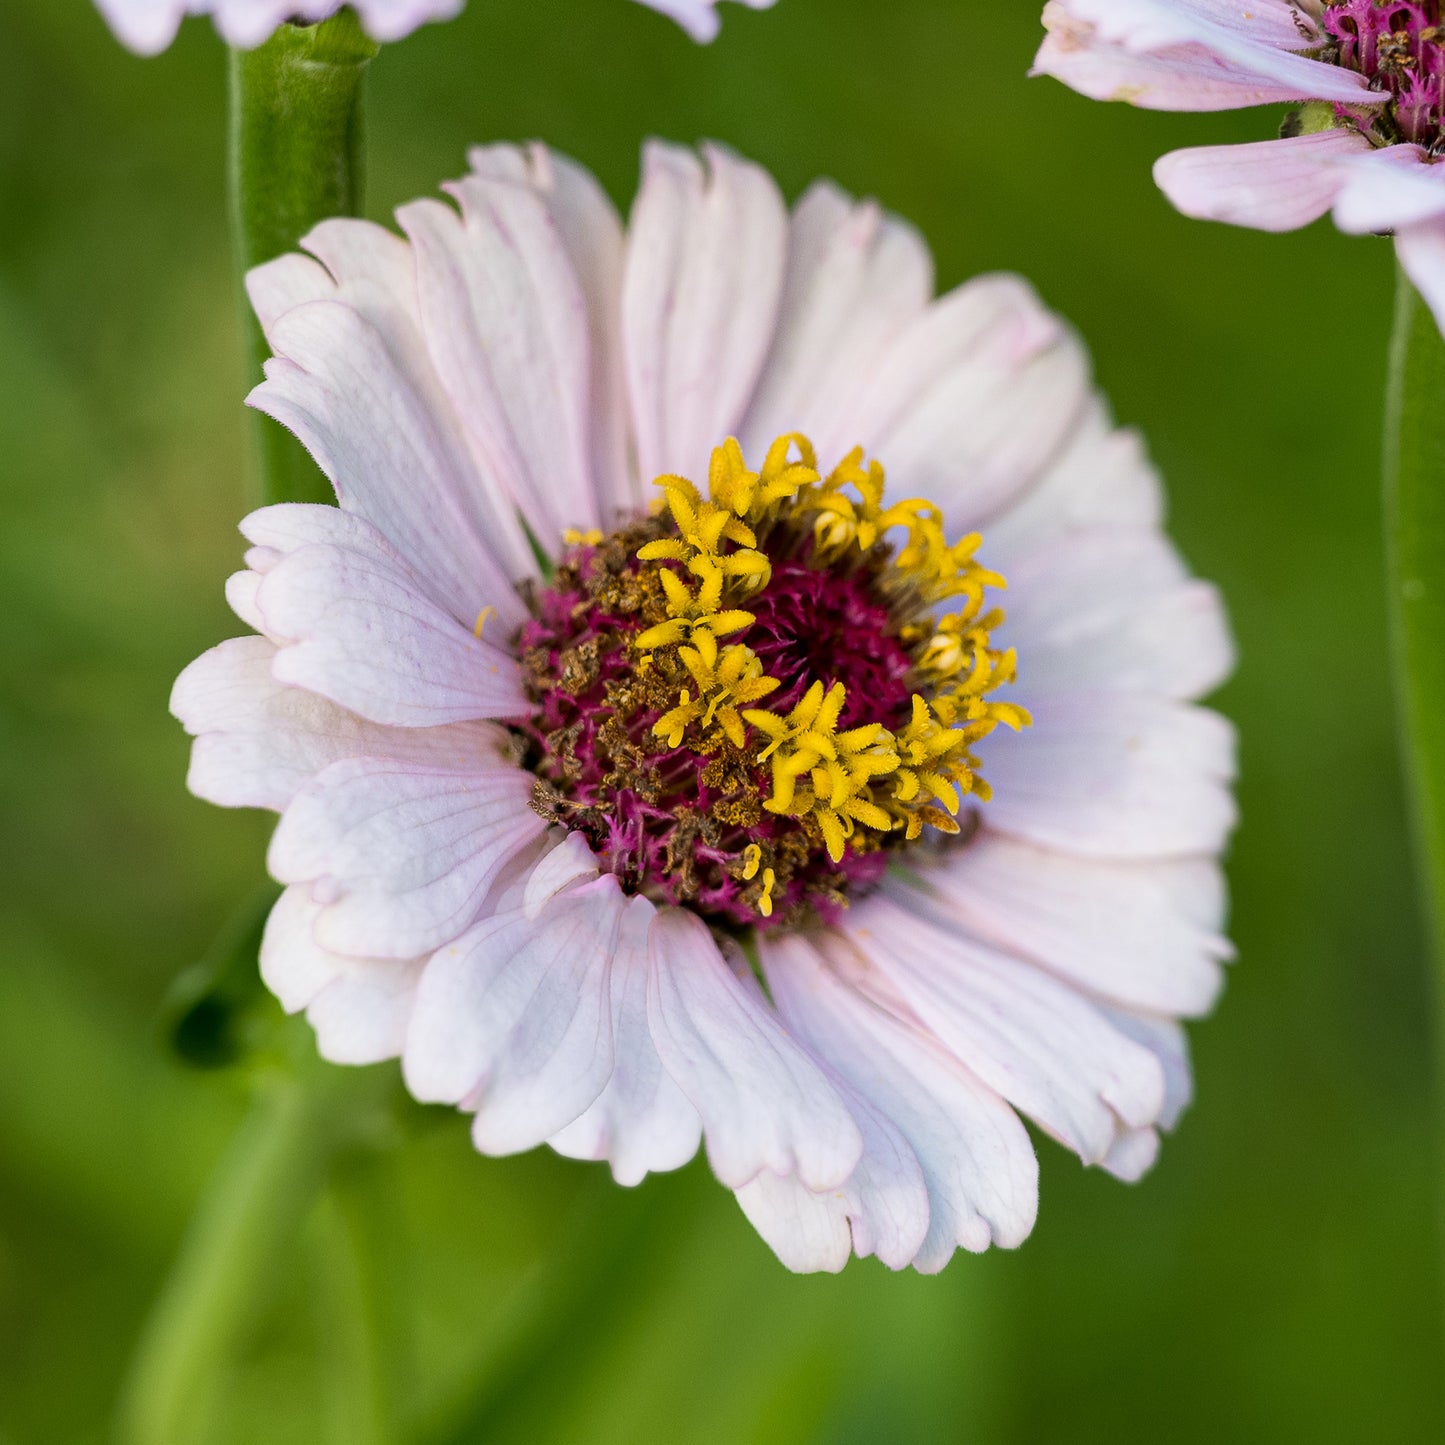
[[885, 780]]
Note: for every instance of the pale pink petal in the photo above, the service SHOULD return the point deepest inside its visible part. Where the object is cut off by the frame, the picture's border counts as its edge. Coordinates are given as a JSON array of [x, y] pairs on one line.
[[704, 272], [1421, 250], [353, 379], [1036, 1041], [1191, 54], [513, 1018], [881, 1209], [1132, 1154], [571, 861], [359, 1007], [855, 277], [148, 26], [560, 1055], [258, 741], [1145, 934], [698, 17], [973, 399], [1123, 775], [641, 1122], [1272, 185], [808, 1232], [145, 26], [765, 1104], [589, 228], [1101, 478], [362, 633], [1396, 186], [1110, 610], [978, 1166], [402, 856], [506, 323], [1164, 1038]]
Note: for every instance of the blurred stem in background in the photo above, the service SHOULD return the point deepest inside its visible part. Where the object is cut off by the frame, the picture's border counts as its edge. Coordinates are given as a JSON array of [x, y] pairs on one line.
[[295, 158], [250, 1218], [1415, 562]]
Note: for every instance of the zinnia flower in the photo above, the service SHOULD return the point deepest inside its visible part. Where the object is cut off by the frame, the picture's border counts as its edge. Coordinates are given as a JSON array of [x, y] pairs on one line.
[[148, 26], [628, 814], [1365, 143]]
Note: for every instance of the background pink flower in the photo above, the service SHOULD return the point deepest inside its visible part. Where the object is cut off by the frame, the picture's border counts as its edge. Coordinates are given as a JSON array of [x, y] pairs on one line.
[[148, 26], [1371, 79]]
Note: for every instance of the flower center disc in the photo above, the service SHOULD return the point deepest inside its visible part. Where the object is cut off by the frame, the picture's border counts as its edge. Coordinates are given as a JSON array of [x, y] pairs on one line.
[[1401, 49], [747, 701]]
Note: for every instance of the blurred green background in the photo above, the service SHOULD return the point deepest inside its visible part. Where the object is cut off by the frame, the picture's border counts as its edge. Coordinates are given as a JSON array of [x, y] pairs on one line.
[[1276, 1277]]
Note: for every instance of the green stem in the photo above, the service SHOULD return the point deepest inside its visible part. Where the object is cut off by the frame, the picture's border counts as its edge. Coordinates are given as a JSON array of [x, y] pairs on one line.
[[295, 158], [1415, 541], [252, 1211], [1415, 556]]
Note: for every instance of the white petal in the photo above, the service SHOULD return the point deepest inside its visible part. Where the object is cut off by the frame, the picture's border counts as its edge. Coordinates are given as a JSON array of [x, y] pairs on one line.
[[1145, 934], [973, 399], [401, 855], [977, 1165], [1110, 610], [1394, 187], [351, 377], [1170, 1045], [641, 1122], [588, 226], [1132, 1154], [855, 278], [571, 861], [808, 1232], [359, 1007], [1038, 1042], [698, 17], [505, 320], [1421, 251], [881, 1209], [1123, 776], [258, 741], [513, 1018], [367, 637], [700, 296], [765, 1104], [1191, 54], [1101, 478], [1274, 185]]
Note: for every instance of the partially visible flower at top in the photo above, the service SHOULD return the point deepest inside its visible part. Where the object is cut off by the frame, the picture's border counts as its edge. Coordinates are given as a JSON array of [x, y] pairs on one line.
[[1366, 143], [148, 26], [630, 815]]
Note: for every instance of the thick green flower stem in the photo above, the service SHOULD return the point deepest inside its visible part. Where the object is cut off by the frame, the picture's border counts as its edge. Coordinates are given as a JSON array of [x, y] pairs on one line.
[[248, 1224], [295, 158], [1415, 543]]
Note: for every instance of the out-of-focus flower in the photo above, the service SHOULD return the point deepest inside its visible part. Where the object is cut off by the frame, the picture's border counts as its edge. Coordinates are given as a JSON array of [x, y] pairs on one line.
[[1370, 78], [148, 26], [699, 17], [628, 815]]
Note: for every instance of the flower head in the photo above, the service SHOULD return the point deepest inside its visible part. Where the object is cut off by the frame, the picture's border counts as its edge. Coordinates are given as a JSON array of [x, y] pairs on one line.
[[148, 26], [1369, 77], [629, 721]]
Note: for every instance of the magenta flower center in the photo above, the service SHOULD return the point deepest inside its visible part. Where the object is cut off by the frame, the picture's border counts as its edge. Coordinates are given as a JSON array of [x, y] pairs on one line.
[[1401, 49], [748, 702]]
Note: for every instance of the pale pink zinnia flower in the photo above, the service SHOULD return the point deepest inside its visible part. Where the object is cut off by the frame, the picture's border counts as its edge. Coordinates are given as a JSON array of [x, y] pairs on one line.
[[1371, 80], [148, 26], [625, 824]]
